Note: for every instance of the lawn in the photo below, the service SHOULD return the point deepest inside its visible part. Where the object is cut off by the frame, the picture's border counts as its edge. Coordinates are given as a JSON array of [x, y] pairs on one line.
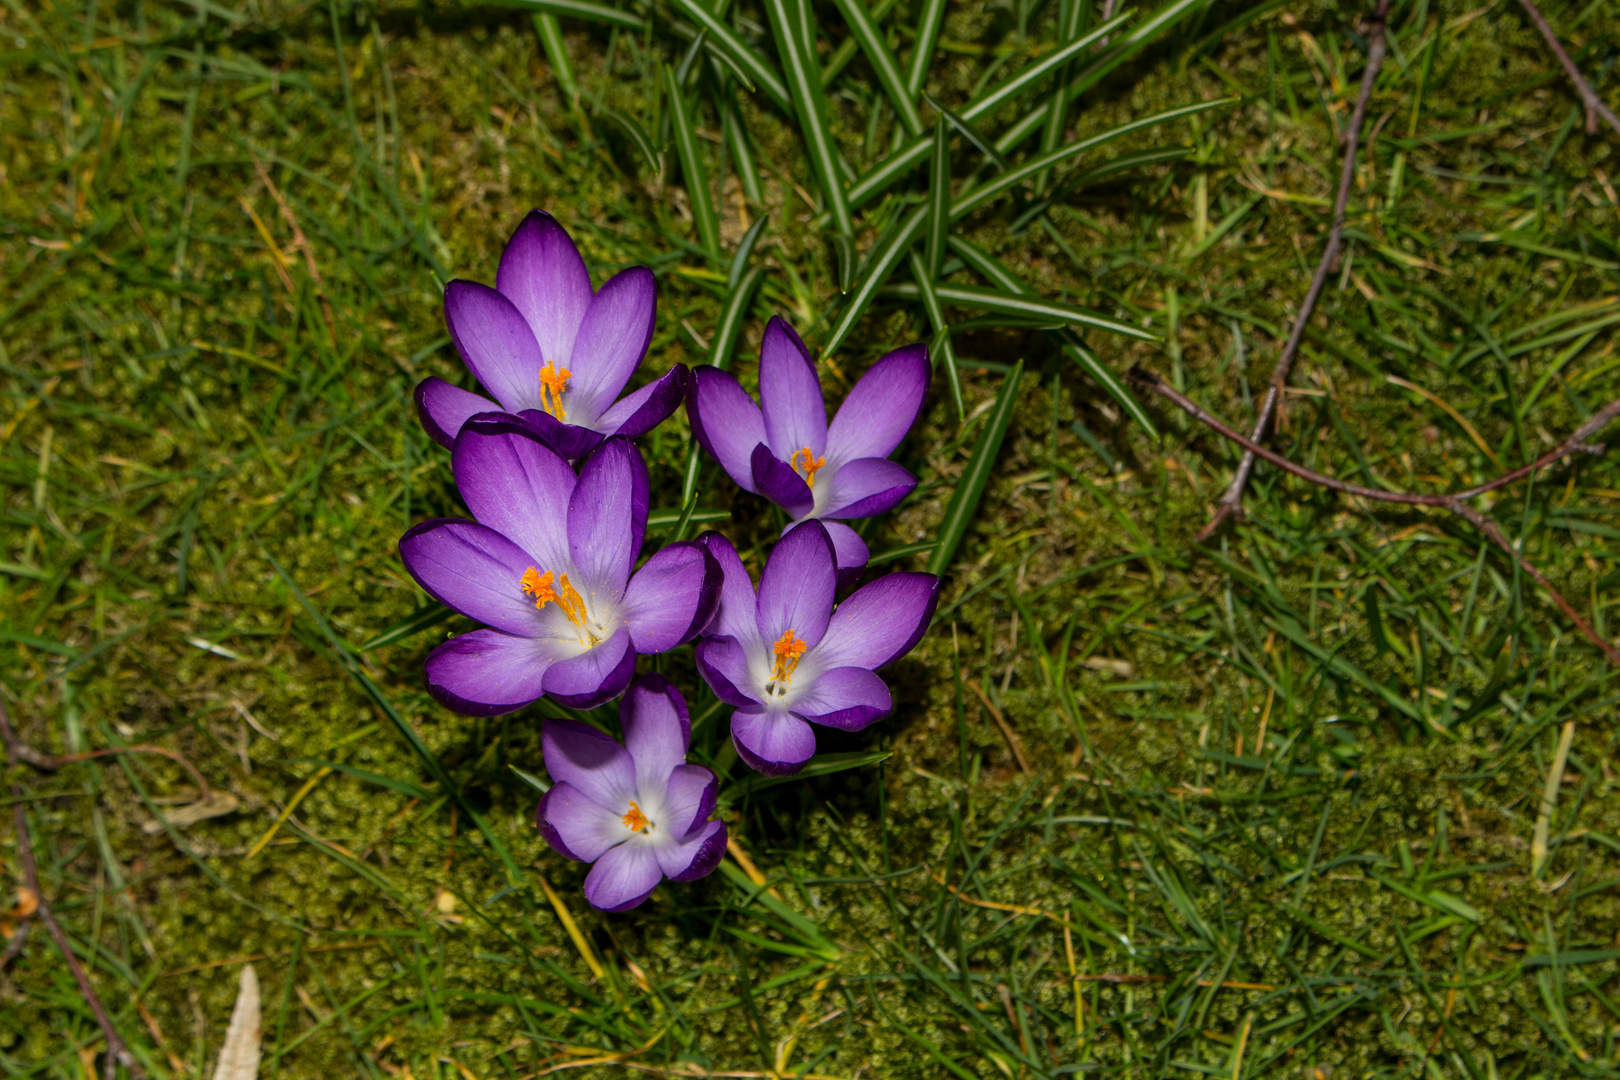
[[1331, 793]]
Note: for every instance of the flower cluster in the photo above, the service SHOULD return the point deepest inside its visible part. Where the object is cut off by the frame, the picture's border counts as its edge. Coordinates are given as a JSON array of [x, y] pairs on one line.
[[551, 562]]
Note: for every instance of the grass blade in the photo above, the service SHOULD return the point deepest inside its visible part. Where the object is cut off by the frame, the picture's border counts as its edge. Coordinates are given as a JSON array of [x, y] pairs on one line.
[[989, 267], [736, 136], [583, 9], [849, 47], [732, 316], [970, 488], [929, 24], [943, 351], [759, 69], [692, 174], [804, 87], [422, 618], [879, 266], [863, 30], [939, 200], [739, 260], [1025, 81], [551, 40], [1001, 303], [973, 200], [636, 134], [1088, 362]]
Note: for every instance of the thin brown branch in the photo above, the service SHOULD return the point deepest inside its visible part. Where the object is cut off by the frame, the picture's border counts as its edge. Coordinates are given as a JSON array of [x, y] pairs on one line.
[[117, 1052], [1231, 503], [1594, 104], [1454, 502], [18, 750]]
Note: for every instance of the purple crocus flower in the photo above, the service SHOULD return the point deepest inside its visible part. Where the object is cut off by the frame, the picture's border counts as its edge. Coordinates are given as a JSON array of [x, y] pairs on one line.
[[784, 656], [637, 811], [788, 452], [551, 351], [547, 565]]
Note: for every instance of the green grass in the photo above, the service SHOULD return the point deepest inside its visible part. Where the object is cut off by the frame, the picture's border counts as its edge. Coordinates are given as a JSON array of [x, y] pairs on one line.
[[1281, 789]]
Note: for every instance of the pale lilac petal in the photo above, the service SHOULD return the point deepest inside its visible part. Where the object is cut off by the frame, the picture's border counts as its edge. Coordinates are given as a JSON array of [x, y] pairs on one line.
[[880, 408], [776, 480], [517, 485], [657, 730], [605, 522], [847, 697], [735, 616], [613, 337], [700, 853], [638, 413], [723, 663], [487, 673], [774, 741], [578, 826], [851, 550], [623, 878], [474, 570], [570, 440], [688, 800], [594, 676], [726, 422], [443, 408], [796, 590], [494, 339], [790, 393], [544, 277], [598, 768], [866, 487], [670, 600], [880, 622]]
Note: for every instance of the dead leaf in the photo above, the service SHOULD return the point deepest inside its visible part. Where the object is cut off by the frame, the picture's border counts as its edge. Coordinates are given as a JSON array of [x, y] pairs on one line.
[[222, 803], [239, 1057]]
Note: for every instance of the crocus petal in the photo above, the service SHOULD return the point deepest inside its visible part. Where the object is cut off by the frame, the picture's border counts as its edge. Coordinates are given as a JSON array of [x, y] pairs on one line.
[[688, 799], [638, 413], [443, 408], [598, 768], [517, 485], [866, 487], [735, 616], [672, 598], [776, 480], [473, 569], [726, 422], [848, 697], [596, 675], [578, 826], [657, 730], [494, 339], [487, 673], [723, 663], [605, 522], [796, 589], [701, 852], [880, 408], [880, 622], [772, 741], [623, 877], [570, 440], [613, 337], [790, 393], [851, 550], [544, 277]]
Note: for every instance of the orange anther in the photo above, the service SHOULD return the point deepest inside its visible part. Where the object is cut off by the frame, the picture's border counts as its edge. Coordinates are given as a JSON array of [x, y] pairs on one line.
[[807, 463], [788, 650], [538, 585], [553, 381], [635, 819]]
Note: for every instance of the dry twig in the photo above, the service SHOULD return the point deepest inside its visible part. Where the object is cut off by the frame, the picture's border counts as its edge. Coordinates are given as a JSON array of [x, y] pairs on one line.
[[1594, 104], [1231, 503], [1456, 502], [117, 1052]]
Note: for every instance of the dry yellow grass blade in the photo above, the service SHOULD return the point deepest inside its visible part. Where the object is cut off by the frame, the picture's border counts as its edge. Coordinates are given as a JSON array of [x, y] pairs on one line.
[[239, 1057]]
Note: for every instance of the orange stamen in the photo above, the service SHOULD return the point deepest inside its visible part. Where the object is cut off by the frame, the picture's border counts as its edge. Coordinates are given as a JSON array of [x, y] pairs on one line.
[[807, 463], [553, 381], [571, 602], [788, 650], [635, 819], [538, 585]]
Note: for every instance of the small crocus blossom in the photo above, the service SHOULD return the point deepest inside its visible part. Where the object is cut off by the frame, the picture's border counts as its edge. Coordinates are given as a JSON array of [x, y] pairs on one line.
[[787, 659], [551, 351], [547, 566], [638, 812], [785, 450]]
